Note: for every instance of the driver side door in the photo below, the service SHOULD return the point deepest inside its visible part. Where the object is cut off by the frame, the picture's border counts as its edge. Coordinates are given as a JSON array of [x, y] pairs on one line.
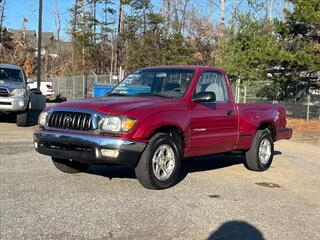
[[212, 124]]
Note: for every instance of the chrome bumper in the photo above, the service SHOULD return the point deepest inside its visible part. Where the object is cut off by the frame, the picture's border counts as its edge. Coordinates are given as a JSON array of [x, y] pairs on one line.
[[13, 104], [87, 148]]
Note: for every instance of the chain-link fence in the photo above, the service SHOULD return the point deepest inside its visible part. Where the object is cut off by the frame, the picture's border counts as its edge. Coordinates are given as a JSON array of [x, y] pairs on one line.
[[77, 87], [302, 104]]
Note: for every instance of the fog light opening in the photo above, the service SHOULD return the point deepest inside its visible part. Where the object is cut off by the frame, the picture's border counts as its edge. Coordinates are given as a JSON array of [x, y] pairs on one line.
[[110, 153]]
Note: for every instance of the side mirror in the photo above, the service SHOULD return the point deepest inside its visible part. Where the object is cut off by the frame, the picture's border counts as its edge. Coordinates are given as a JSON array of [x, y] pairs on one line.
[[204, 97], [29, 81]]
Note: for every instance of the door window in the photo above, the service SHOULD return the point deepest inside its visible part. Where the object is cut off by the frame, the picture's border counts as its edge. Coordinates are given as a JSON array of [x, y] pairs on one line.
[[213, 82]]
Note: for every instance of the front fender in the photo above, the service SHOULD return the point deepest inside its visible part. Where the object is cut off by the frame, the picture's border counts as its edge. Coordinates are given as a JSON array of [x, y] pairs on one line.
[[178, 119]]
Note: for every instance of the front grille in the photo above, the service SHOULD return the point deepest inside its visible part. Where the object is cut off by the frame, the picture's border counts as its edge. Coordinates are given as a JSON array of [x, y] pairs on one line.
[[4, 92], [70, 120]]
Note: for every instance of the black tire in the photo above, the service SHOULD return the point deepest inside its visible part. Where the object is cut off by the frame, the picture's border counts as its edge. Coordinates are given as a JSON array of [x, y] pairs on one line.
[[253, 161], [144, 169], [67, 166], [22, 119]]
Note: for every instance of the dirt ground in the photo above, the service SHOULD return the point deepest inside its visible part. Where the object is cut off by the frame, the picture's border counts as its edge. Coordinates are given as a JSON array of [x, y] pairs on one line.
[[307, 130]]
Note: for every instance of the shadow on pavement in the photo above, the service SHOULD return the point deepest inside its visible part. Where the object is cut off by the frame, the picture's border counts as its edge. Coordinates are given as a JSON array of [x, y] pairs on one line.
[[277, 153], [112, 171], [12, 117], [207, 163], [8, 118], [236, 230], [188, 166]]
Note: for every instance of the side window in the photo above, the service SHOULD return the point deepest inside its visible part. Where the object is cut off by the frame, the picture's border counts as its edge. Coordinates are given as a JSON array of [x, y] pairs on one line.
[[213, 82]]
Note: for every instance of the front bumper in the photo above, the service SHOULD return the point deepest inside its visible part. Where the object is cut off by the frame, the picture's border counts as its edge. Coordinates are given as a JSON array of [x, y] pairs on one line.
[[13, 104], [87, 148]]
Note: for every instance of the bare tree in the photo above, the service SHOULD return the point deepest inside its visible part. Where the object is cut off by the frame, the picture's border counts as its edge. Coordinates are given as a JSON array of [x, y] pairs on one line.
[[58, 25], [220, 4], [166, 12], [94, 20], [174, 13], [23, 28], [74, 19], [222, 14], [267, 8], [203, 34], [235, 12], [183, 15], [270, 10]]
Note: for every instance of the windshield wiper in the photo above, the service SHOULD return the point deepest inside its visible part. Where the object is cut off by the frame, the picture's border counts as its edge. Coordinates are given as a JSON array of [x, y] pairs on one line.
[[153, 94], [118, 94]]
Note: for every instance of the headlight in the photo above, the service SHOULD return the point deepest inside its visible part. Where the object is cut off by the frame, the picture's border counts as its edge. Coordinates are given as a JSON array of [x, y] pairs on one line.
[[18, 92], [116, 124], [42, 119]]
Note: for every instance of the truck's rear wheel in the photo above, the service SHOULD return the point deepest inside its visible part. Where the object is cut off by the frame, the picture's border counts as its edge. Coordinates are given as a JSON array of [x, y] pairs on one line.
[[260, 155], [159, 164], [67, 166], [22, 119]]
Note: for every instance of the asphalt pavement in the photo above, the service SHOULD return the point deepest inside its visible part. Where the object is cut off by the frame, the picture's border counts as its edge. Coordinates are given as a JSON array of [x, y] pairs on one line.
[[215, 198]]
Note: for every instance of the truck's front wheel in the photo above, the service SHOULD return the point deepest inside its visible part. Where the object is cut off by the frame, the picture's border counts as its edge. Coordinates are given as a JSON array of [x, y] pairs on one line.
[[260, 155], [159, 164], [67, 166]]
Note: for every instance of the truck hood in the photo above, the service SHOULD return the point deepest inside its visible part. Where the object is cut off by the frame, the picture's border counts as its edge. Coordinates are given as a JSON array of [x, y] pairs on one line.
[[12, 85], [119, 105]]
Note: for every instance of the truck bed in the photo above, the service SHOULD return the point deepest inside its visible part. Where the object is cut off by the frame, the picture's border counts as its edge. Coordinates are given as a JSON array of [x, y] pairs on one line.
[[252, 116]]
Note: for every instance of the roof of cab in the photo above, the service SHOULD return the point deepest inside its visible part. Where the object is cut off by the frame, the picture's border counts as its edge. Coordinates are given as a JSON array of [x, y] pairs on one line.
[[10, 66], [190, 67]]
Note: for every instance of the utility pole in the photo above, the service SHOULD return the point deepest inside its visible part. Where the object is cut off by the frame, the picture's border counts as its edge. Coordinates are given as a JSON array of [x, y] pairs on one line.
[[37, 100], [39, 46], [119, 38], [83, 50], [2, 9], [120, 22]]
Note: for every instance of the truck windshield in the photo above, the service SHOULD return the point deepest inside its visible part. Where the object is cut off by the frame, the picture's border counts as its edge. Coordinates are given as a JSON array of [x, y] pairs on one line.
[[155, 82], [10, 75]]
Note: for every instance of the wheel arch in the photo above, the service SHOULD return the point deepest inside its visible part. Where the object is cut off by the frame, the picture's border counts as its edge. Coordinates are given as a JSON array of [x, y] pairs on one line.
[[176, 132], [270, 126]]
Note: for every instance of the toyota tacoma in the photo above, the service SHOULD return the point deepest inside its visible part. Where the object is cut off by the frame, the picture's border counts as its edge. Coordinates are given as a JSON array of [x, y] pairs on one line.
[[155, 118], [14, 92]]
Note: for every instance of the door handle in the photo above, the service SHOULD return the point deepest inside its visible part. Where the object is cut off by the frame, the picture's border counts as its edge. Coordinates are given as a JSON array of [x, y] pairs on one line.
[[230, 112]]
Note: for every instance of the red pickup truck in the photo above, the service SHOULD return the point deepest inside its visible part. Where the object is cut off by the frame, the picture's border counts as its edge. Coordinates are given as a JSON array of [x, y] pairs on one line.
[[156, 117]]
